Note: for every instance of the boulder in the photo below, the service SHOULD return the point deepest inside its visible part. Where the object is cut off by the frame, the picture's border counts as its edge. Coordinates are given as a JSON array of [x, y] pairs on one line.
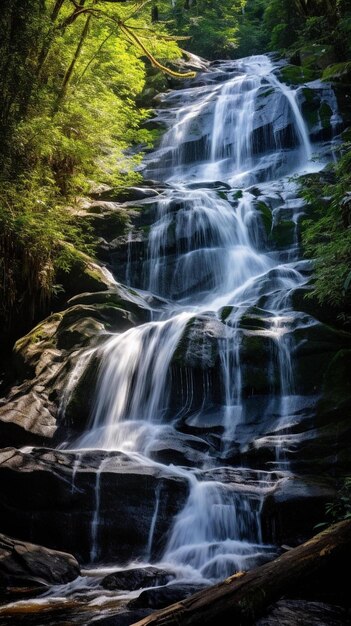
[[289, 612], [84, 275], [164, 596], [22, 563], [47, 357], [137, 578], [98, 505], [125, 194], [293, 509], [106, 219]]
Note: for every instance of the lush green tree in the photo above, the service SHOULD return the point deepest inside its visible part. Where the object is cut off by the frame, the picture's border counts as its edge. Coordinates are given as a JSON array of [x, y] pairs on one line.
[[71, 74], [211, 27]]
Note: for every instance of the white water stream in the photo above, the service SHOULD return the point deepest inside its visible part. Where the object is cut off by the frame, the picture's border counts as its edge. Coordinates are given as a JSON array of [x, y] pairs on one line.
[[207, 252]]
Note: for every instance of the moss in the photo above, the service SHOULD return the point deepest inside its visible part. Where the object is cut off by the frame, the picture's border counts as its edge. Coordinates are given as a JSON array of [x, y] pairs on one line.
[[253, 320], [42, 331], [317, 57], [297, 75], [237, 195], [225, 312], [266, 216], [266, 93], [325, 114], [108, 225], [310, 107], [256, 349], [178, 356], [282, 234], [222, 195], [81, 275]]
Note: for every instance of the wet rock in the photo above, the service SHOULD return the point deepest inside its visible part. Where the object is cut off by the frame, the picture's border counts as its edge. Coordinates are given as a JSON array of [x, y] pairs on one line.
[[46, 357], [84, 276], [124, 618], [120, 298], [179, 449], [124, 502], [217, 184], [106, 219], [125, 194], [198, 347], [164, 596], [137, 578], [23, 563], [289, 612], [297, 504]]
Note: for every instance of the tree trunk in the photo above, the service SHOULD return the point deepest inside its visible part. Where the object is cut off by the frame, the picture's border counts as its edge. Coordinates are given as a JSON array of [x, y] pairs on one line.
[[70, 70], [242, 598]]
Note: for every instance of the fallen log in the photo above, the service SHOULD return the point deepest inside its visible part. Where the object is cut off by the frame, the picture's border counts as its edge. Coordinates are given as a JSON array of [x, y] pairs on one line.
[[243, 598]]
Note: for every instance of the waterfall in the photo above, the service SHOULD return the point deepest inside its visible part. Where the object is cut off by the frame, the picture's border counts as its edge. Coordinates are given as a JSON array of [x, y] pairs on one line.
[[233, 141]]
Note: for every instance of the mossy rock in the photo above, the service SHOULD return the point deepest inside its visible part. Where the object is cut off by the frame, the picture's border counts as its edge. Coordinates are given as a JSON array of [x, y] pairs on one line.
[[225, 312], [79, 334], [126, 194], [337, 381], [310, 108], [304, 300], [83, 322], [253, 320], [79, 406], [297, 75], [118, 299], [108, 225], [28, 349], [255, 348], [198, 347], [282, 234], [315, 353], [325, 114], [83, 275], [266, 216], [317, 57]]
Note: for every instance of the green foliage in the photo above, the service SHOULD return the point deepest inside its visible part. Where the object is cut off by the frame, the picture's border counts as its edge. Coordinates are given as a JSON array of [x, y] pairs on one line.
[[268, 25], [34, 229], [327, 237], [295, 26], [337, 70], [211, 27], [340, 508], [71, 76], [254, 37]]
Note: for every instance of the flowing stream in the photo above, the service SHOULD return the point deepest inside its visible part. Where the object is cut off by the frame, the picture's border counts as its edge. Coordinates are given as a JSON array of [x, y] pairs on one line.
[[234, 138], [207, 253]]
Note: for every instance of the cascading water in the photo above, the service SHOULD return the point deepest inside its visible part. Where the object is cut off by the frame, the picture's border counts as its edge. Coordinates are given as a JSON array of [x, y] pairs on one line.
[[210, 256]]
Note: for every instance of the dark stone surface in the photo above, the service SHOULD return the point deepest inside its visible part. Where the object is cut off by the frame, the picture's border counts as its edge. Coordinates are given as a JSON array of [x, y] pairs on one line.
[[45, 358], [124, 194], [164, 596], [50, 496], [289, 612], [22, 564], [137, 578]]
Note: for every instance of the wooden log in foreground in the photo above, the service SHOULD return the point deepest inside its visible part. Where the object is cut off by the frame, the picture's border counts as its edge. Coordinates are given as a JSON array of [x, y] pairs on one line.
[[243, 597]]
